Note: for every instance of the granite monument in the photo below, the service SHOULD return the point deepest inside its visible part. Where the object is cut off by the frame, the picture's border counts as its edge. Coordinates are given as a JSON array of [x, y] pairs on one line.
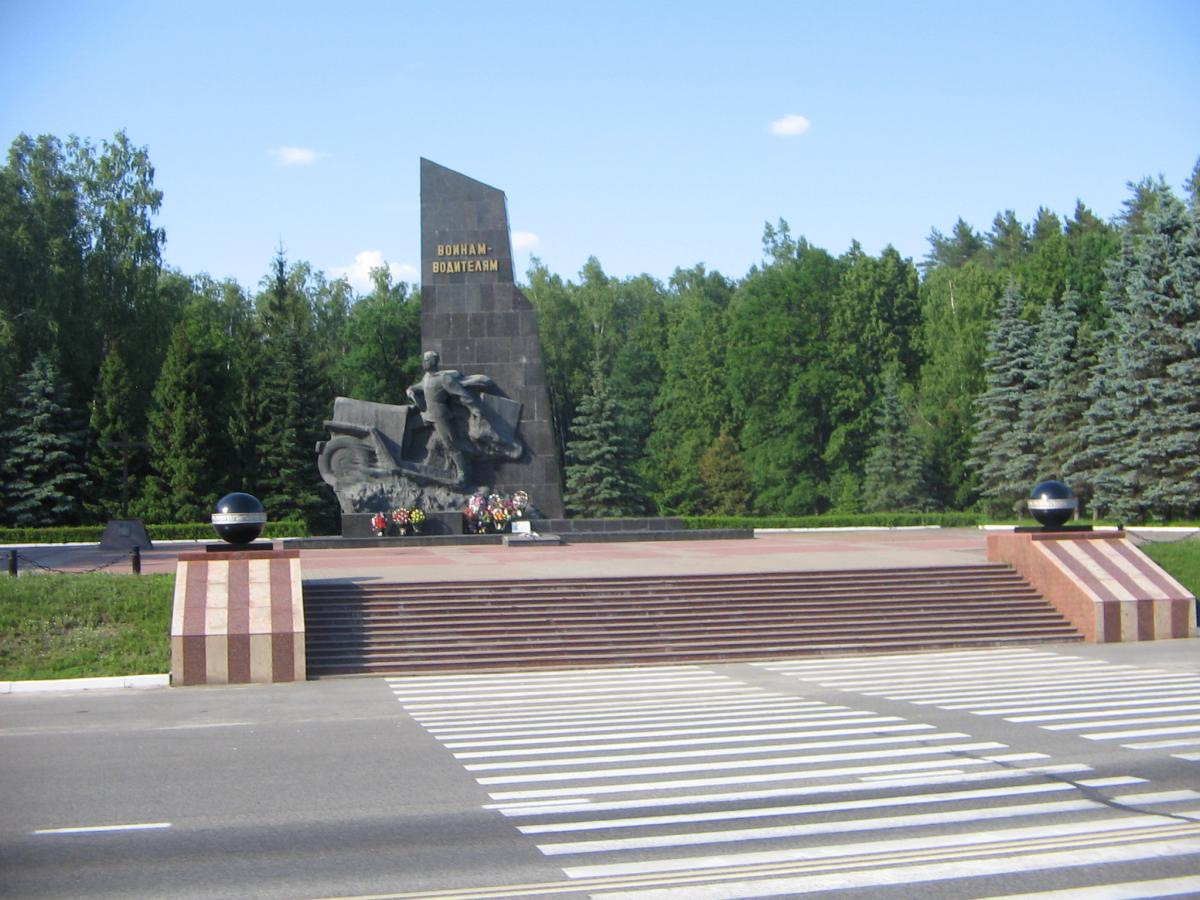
[[482, 426]]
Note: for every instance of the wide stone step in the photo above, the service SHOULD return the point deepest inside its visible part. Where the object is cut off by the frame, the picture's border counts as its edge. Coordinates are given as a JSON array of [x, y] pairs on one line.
[[413, 665], [399, 628], [632, 630], [635, 584], [730, 599], [605, 596], [693, 642], [715, 640], [758, 615], [617, 629], [670, 612]]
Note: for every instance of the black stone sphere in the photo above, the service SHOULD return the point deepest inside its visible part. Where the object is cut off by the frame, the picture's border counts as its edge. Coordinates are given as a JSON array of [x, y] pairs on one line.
[[1052, 504], [239, 518]]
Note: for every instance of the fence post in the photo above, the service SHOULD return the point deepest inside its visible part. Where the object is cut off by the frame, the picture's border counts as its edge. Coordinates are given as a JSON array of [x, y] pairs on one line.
[[135, 560], [12, 562]]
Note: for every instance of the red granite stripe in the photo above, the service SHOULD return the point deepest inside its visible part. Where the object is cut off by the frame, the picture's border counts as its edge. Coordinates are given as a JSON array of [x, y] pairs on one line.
[[239, 658], [195, 599], [1101, 553], [1145, 619], [281, 597], [195, 661], [283, 657], [1149, 570], [1112, 623], [239, 597], [1181, 618], [1057, 549]]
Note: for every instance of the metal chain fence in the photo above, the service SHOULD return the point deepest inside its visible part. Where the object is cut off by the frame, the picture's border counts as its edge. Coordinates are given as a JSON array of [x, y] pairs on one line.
[[16, 560], [1161, 538]]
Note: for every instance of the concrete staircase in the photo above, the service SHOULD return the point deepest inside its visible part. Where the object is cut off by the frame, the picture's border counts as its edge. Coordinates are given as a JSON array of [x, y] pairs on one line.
[[458, 626]]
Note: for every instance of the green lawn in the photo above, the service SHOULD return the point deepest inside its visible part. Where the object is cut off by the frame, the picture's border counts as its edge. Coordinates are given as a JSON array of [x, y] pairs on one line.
[[70, 626], [1180, 558]]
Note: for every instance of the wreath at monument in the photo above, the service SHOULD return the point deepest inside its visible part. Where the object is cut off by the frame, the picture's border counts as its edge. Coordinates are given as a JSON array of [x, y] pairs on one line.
[[400, 521], [495, 513]]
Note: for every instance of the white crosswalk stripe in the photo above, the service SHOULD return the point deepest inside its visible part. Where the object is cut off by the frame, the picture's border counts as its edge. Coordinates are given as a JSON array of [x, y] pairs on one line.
[[1142, 709], [687, 783]]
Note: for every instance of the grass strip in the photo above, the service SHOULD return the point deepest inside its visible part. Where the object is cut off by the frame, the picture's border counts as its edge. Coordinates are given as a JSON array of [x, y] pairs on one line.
[[1180, 558], [74, 626]]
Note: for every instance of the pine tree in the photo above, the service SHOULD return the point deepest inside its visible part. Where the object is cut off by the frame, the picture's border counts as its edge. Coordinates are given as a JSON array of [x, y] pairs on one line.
[[246, 410], [893, 479], [955, 251], [43, 476], [726, 483], [1100, 466], [780, 375], [600, 482], [117, 461], [1004, 452], [183, 481], [1058, 406], [1141, 439], [1008, 241], [1193, 188], [1164, 312], [278, 419], [692, 401], [287, 431]]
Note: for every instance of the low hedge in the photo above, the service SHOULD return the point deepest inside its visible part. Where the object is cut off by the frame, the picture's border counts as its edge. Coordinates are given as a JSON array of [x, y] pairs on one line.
[[188, 531], [865, 520]]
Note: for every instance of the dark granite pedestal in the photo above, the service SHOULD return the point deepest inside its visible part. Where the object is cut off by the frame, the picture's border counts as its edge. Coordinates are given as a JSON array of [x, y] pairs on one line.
[[358, 525]]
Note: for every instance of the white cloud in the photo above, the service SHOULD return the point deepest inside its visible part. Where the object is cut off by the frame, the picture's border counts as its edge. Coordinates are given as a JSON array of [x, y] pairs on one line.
[[790, 125], [358, 273], [525, 240], [296, 156]]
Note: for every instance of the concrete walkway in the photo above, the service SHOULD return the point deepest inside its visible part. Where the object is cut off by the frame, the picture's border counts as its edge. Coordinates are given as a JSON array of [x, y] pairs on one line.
[[765, 553]]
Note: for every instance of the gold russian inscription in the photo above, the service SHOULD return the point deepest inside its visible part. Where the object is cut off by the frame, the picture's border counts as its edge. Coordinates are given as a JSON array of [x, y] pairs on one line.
[[456, 266], [477, 260]]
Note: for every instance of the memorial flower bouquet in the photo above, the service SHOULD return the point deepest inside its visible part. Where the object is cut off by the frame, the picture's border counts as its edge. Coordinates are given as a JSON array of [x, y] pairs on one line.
[[475, 516], [400, 520], [494, 513], [498, 514], [416, 519], [378, 524]]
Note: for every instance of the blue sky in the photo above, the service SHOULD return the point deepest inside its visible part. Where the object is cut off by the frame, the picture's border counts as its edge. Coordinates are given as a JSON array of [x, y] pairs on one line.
[[650, 135]]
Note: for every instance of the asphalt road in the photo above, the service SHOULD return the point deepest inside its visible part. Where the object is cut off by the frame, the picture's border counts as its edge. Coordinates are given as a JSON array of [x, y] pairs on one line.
[[974, 774]]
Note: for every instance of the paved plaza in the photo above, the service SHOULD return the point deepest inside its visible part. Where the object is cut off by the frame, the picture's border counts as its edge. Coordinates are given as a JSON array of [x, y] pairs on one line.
[[767, 552]]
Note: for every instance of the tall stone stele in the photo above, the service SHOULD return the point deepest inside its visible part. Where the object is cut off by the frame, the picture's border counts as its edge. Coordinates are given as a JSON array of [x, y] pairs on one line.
[[480, 417]]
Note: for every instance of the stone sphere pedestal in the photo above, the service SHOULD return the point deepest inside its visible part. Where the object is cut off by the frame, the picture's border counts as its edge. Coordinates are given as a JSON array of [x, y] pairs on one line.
[[239, 518], [1052, 503]]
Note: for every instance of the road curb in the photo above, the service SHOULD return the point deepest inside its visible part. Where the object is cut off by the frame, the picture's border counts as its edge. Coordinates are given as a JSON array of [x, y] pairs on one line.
[[62, 685]]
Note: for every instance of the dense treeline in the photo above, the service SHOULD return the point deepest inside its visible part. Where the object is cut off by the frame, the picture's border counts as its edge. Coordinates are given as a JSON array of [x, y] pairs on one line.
[[131, 389], [1065, 348], [815, 383]]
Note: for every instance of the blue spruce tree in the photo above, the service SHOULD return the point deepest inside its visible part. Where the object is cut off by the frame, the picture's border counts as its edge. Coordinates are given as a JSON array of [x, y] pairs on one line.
[[1005, 452], [43, 477], [600, 482]]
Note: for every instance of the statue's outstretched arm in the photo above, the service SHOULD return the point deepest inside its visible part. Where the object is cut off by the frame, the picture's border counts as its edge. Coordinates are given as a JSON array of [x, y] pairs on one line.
[[416, 394]]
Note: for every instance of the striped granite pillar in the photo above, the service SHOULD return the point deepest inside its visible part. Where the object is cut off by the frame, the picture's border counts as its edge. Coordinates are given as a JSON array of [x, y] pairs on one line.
[[1105, 586], [238, 618]]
